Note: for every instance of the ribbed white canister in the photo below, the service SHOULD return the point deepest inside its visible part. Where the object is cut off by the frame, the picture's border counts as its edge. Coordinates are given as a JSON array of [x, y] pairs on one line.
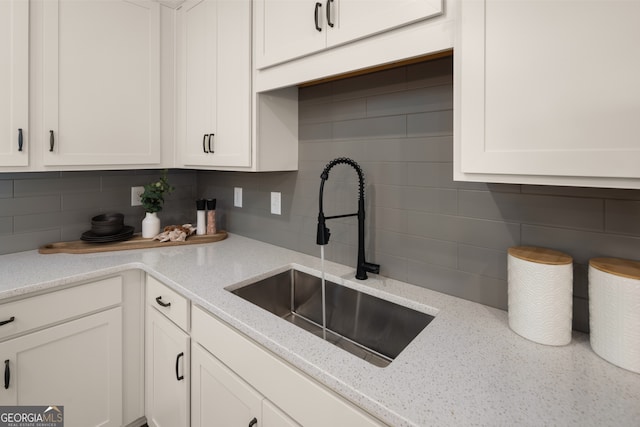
[[540, 294], [614, 311]]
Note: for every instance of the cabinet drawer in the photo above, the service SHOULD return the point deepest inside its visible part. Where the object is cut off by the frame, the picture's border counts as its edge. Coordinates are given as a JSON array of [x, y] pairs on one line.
[[42, 310], [169, 302]]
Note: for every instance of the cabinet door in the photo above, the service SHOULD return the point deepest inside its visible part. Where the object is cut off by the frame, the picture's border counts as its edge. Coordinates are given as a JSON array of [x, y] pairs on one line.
[[274, 417], [101, 100], [548, 89], [291, 29], [286, 29], [167, 369], [354, 19], [214, 83], [218, 396], [14, 82], [77, 365]]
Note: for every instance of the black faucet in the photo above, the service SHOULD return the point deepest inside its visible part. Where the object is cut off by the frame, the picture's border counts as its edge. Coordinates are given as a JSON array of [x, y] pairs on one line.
[[323, 232]]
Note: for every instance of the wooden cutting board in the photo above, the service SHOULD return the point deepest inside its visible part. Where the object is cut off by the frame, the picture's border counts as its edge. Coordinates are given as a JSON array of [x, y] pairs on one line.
[[136, 242]]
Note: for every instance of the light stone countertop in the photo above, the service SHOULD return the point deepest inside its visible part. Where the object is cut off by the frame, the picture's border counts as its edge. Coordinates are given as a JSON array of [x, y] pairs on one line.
[[466, 368]]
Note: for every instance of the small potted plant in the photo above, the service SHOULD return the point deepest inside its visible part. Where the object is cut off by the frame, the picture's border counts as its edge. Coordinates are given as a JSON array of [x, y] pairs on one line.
[[152, 199]]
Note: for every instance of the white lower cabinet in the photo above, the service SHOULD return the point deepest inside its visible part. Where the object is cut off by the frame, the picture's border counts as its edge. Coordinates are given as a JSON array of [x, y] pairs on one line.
[[77, 365], [167, 371], [221, 398], [235, 380], [69, 348], [218, 396], [274, 417]]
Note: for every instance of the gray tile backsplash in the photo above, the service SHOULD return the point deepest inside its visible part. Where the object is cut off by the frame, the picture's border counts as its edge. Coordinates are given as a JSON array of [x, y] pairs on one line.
[[47, 207], [422, 227]]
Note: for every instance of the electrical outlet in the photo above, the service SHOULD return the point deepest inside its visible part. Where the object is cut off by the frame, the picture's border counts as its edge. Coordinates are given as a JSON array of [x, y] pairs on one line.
[[136, 192], [276, 203], [237, 197]]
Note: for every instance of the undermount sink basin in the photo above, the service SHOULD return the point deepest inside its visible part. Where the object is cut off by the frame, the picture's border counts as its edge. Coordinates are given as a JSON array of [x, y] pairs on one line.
[[369, 327]]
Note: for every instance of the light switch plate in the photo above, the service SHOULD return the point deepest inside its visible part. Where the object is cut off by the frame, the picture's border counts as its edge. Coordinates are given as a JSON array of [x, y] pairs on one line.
[[136, 192], [237, 197], [276, 203]]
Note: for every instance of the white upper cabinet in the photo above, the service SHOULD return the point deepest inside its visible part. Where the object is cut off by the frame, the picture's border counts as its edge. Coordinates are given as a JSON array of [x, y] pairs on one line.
[[14, 82], [101, 82], [214, 83], [348, 20], [286, 30], [294, 28], [548, 92]]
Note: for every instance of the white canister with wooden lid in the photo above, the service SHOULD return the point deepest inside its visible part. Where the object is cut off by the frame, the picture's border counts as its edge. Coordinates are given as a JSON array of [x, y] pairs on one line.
[[540, 294], [614, 311]]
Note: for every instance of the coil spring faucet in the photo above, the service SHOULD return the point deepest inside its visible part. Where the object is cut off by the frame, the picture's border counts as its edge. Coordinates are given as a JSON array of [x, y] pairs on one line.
[[323, 235]]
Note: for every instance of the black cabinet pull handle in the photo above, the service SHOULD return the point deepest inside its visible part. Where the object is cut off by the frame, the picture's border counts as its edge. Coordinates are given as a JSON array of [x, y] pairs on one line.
[[162, 303], [316, 15], [4, 322], [253, 422], [178, 376], [51, 140], [204, 141], [329, 13], [210, 138], [7, 374], [20, 140]]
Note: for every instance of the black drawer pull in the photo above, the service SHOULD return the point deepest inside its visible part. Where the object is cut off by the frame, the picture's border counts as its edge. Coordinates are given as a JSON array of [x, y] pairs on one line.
[[4, 322], [7, 374], [210, 138], [51, 140], [162, 303], [204, 145], [20, 140], [316, 15], [178, 376], [253, 422], [329, 13]]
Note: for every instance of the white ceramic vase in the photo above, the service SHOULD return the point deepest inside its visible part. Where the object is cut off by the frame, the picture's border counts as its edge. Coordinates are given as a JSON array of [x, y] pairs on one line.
[[150, 225]]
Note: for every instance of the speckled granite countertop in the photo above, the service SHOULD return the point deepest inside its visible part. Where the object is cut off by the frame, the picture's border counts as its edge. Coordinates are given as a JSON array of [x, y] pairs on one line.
[[466, 368]]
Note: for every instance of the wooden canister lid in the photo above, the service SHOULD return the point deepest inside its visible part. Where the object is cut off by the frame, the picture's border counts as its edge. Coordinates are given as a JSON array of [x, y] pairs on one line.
[[540, 255], [620, 267]]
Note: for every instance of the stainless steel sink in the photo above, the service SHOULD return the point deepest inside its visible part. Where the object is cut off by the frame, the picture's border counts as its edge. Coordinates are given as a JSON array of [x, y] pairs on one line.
[[366, 326]]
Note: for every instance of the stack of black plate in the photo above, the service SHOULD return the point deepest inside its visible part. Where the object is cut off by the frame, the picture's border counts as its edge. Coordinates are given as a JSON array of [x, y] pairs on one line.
[[124, 234], [107, 228]]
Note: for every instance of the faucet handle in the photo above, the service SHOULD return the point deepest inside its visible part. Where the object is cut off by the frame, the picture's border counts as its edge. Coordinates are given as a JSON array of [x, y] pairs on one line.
[[322, 237], [371, 267]]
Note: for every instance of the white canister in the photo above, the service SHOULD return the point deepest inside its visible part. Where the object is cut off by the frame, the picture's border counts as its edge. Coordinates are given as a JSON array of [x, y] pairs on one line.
[[540, 294], [614, 311]]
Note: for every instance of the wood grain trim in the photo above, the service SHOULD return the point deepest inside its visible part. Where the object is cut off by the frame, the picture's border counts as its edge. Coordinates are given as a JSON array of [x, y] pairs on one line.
[[540, 255], [617, 266], [410, 61], [136, 242]]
